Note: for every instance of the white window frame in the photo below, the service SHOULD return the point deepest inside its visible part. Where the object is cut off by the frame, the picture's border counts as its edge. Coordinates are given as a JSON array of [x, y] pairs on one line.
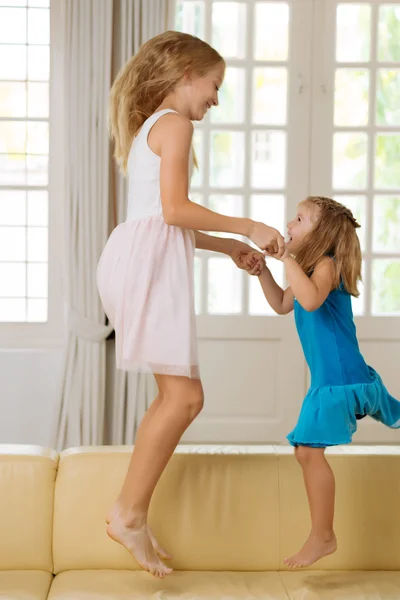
[[370, 327], [50, 334], [297, 128]]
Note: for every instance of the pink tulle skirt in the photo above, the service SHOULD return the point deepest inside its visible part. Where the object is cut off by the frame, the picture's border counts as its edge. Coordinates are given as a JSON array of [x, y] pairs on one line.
[[146, 284]]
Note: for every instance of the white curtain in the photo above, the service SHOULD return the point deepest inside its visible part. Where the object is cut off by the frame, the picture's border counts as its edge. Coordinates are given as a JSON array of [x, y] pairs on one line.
[[86, 49], [135, 22]]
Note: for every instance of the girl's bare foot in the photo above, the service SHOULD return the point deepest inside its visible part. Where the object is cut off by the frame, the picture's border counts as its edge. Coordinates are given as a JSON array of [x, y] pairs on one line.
[[134, 535], [314, 549], [162, 553]]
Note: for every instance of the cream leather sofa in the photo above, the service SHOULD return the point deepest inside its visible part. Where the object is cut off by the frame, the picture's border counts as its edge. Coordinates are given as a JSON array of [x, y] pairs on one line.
[[228, 514]]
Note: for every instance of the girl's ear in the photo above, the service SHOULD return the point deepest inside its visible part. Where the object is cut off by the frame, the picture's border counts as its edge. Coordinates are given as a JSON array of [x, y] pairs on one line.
[[187, 76]]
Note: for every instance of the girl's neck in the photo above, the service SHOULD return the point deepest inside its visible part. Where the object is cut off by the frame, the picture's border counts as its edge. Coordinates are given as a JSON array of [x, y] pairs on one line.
[[176, 103]]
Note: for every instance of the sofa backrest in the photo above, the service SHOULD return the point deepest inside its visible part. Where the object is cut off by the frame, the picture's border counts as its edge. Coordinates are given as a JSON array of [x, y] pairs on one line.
[[212, 510], [27, 476], [231, 508]]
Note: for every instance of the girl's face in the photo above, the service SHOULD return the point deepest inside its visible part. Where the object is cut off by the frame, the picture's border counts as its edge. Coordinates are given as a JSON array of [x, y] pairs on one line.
[[301, 225], [202, 92]]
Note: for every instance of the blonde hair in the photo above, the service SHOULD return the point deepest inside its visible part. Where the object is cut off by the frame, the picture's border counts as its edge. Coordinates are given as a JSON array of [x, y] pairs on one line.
[[148, 77], [334, 234]]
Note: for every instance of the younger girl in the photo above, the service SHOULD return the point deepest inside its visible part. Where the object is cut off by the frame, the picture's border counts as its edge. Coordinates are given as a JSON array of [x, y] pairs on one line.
[[145, 274], [323, 264]]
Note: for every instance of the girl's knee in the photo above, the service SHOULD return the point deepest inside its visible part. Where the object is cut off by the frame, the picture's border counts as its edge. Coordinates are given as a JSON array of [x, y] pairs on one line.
[[185, 395], [195, 400], [306, 454]]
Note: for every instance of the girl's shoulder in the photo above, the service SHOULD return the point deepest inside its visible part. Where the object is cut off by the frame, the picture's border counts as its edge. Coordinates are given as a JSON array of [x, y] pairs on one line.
[[172, 121]]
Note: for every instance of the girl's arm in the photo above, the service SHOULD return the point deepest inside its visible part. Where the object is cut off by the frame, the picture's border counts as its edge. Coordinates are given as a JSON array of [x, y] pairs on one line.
[[213, 243], [310, 292], [173, 143], [281, 301], [235, 249]]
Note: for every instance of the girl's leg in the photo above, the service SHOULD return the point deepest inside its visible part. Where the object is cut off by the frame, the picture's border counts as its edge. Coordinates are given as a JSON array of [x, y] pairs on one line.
[[180, 401], [320, 485], [151, 411]]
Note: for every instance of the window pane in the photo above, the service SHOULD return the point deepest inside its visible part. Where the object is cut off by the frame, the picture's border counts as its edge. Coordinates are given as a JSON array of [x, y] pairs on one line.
[[12, 207], [197, 198], [38, 26], [231, 98], [270, 92], [386, 228], [38, 100], [12, 137], [258, 304], [12, 26], [37, 244], [190, 17], [12, 2], [37, 311], [38, 208], [197, 176], [12, 280], [12, 99], [358, 206], [387, 153], [271, 31], [388, 97], [12, 62], [224, 287], [37, 280], [353, 32], [228, 204], [12, 169], [229, 28], [269, 209], [38, 138], [351, 96], [12, 310], [37, 170], [38, 63], [350, 161], [386, 287], [12, 244], [39, 3], [268, 159], [389, 33], [227, 159]]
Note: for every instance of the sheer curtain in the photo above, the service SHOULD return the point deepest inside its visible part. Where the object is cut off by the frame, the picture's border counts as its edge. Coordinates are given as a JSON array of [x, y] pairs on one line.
[[86, 51]]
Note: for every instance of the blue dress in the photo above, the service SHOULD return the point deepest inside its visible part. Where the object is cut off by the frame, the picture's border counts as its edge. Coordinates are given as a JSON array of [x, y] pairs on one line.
[[343, 387]]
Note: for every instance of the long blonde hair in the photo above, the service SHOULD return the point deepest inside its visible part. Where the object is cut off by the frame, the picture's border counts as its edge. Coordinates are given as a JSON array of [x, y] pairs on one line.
[[148, 77], [333, 234]]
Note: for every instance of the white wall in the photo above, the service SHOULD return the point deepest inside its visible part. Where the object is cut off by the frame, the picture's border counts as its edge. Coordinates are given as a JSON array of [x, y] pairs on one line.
[[30, 381]]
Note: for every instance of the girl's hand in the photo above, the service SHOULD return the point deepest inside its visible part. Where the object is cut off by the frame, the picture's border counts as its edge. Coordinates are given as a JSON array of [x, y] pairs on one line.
[[255, 263], [268, 239], [241, 253], [276, 255]]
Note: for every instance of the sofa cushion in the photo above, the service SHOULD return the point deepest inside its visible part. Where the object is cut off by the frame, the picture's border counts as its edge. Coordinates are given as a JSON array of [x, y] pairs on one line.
[[213, 509], [366, 513], [27, 475], [342, 585], [25, 585], [131, 585]]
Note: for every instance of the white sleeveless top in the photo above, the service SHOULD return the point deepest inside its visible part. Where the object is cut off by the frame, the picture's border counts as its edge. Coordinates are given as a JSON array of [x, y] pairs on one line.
[[144, 197]]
